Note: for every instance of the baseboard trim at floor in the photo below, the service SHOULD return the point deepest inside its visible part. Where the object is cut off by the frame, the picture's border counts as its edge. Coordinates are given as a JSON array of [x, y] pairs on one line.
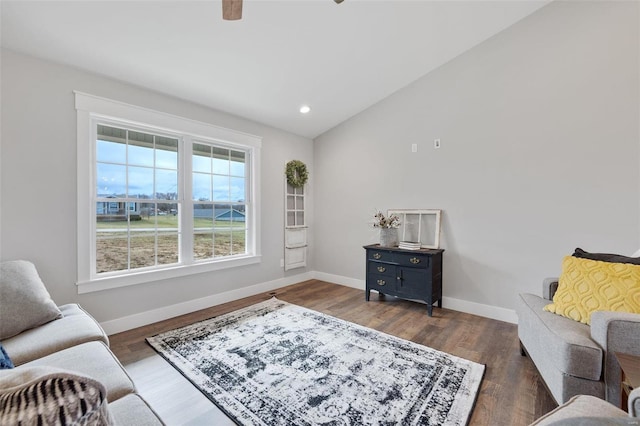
[[487, 311], [149, 317], [339, 279]]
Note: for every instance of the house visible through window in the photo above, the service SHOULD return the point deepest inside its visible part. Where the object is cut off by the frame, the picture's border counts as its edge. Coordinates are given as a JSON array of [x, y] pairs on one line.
[[161, 196], [140, 206], [136, 189], [219, 194]]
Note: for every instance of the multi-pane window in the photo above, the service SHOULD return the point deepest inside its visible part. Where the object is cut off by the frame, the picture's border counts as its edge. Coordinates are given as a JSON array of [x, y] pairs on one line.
[[137, 200], [161, 196], [140, 208], [219, 197]]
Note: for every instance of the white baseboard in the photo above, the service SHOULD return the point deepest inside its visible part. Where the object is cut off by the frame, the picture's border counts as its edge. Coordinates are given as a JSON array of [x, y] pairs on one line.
[[339, 279], [149, 317], [487, 311]]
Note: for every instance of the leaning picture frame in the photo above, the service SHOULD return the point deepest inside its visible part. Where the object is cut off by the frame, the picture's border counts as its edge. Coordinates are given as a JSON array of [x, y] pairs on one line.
[[421, 226]]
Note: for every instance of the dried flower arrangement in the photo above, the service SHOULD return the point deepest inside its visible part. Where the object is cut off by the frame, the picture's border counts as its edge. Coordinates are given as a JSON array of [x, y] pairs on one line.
[[381, 221]]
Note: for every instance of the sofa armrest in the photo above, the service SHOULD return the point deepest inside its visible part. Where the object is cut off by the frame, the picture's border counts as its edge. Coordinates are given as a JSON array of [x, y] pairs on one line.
[[74, 328], [615, 332], [549, 287]]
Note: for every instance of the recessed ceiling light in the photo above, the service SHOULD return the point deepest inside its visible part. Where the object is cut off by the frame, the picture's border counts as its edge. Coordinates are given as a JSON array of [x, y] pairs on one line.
[[304, 109]]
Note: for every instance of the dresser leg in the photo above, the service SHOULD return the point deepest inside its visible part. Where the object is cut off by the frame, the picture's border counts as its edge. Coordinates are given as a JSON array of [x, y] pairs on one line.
[[366, 295], [430, 310]]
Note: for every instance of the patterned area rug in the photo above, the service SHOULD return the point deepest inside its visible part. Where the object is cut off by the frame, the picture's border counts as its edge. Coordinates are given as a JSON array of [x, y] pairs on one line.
[[275, 363]]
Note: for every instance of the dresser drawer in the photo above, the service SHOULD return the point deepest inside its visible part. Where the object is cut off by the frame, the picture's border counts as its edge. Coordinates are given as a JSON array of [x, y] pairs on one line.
[[411, 259], [383, 283], [380, 255], [379, 268]]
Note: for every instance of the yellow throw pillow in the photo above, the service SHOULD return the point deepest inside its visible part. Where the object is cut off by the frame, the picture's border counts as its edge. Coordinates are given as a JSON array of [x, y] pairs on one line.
[[586, 286]]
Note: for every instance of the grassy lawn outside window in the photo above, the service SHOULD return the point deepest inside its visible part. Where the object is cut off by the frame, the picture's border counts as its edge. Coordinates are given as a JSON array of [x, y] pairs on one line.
[[166, 198]]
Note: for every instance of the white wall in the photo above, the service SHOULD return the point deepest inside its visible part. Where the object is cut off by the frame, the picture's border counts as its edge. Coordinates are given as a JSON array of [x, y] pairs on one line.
[[540, 154], [539, 128], [38, 177]]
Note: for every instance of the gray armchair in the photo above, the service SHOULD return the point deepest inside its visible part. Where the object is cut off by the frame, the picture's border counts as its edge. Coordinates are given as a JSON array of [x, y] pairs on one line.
[[574, 358], [615, 332]]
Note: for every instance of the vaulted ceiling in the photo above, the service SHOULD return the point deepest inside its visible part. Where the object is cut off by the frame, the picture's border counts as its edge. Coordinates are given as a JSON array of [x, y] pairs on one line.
[[338, 58]]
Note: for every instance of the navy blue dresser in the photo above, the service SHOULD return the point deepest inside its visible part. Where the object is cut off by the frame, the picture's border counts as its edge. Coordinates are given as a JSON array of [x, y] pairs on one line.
[[408, 274]]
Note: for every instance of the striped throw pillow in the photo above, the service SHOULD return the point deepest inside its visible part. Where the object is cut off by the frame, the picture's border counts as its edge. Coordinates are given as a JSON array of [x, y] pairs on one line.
[[48, 396]]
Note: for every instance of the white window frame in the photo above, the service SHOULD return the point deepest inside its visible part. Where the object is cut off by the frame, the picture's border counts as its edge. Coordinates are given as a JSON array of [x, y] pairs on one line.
[[91, 109]]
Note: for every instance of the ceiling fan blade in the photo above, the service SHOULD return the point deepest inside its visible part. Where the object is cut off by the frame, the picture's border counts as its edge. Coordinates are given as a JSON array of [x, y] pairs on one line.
[[231, 10]]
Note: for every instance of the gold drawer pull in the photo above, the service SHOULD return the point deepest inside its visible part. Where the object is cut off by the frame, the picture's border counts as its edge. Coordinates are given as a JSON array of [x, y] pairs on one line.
[[381, 269], [381, 282], [414, 260], [377, 255]]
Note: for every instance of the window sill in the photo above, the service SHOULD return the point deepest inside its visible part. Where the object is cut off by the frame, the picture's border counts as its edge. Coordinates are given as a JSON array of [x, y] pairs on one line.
[[106, 283]]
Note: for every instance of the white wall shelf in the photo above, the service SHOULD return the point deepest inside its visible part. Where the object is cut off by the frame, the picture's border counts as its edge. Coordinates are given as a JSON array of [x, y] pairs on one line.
[[295, 229]]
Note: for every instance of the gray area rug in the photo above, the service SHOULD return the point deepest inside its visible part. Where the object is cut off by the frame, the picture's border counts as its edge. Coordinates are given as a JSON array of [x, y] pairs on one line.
[[275, 363]]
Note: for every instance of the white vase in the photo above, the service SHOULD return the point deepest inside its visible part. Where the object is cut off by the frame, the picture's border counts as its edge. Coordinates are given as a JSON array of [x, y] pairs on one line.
[[388, 237]]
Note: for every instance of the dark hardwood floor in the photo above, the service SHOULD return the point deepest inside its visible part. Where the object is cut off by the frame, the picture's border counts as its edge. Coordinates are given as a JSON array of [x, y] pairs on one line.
[[511, 392]]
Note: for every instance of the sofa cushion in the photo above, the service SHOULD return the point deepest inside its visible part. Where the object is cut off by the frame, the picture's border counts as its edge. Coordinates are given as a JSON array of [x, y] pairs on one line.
[[5, 361], [567, 343], [74, 328], [586, 286], [24, 301], [581, 407], [133, 410], [49, 396], [93, 359]]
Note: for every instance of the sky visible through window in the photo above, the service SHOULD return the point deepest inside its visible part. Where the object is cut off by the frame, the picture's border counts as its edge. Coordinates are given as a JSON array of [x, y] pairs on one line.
[[144, 166], [142, 229]]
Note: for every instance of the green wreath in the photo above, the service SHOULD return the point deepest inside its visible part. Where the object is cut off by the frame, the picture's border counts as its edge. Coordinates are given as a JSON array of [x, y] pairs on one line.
[[297, 174]]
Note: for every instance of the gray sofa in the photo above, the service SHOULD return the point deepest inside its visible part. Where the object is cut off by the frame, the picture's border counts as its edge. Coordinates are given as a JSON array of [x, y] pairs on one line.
[[575, 358], [72, 346]]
